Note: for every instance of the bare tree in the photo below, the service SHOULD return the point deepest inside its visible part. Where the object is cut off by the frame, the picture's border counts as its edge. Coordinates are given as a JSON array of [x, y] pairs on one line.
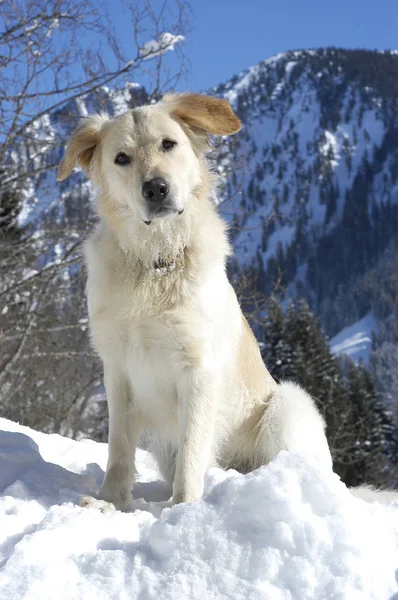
[[45, 62], [48, 75]]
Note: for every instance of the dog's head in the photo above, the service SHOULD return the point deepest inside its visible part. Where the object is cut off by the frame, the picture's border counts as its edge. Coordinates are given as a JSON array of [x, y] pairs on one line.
[[148, 160]]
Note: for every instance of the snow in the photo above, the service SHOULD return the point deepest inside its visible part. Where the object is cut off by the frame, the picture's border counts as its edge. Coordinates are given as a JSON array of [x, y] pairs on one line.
[[243, 83], [286, 531], [82, 108], [330, 144], [356, 339], [28, 274], [290, 66], [165, 42]]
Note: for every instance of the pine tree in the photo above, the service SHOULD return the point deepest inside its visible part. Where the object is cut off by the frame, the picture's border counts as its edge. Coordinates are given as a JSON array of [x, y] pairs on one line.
[[359, 429], [276, 347], [371, 423]]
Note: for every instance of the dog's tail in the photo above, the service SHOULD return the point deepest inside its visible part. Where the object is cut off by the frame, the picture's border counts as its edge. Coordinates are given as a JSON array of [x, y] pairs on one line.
[[372, 494], [292, 422]]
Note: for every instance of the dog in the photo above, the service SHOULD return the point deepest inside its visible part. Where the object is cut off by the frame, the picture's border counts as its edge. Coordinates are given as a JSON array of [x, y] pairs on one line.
[[180, 360]]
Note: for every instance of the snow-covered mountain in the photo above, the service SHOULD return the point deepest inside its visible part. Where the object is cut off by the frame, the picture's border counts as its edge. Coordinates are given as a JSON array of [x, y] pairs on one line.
[[311, 183], [320, 195], [309, 187], [318, 157]]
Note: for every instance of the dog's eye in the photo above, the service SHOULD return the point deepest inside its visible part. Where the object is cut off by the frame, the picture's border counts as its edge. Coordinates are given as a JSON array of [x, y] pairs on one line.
[[168, 144], [122, 159]]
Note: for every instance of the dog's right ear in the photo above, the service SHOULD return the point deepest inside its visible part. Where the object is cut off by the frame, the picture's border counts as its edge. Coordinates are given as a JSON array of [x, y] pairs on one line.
[[81, 146]]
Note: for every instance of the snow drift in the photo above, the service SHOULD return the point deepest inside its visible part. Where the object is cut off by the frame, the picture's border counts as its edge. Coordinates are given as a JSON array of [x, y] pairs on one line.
[[285, 531]]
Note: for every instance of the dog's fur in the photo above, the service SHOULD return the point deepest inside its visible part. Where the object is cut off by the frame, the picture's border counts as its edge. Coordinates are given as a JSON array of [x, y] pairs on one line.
[[180, 360]]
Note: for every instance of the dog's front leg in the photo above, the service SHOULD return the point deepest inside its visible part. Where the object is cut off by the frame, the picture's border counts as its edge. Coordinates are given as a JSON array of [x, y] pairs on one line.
[[196, 420], [124, 429]]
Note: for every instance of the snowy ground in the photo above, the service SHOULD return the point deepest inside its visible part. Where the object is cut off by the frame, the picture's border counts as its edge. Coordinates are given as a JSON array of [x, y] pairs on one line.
[[286, 531], [356, 339]]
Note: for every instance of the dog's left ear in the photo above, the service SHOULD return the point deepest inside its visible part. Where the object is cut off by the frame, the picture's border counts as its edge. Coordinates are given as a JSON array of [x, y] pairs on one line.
[[205, 113]]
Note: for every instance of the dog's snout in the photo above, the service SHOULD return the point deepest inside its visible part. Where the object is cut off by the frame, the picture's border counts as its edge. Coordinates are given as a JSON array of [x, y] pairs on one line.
[[155, 190]]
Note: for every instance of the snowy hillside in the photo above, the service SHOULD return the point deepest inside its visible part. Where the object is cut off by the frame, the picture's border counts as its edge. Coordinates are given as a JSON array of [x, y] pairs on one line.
[[320, 195], [287, 531], [356, 340]]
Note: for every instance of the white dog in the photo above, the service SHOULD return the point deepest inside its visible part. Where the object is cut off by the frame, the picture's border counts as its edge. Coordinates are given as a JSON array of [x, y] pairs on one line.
[[180, 360]]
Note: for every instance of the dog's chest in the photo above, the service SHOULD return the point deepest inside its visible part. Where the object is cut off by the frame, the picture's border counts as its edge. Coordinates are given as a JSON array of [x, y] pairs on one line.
[[123, 300], [153, 363], [149, 333]]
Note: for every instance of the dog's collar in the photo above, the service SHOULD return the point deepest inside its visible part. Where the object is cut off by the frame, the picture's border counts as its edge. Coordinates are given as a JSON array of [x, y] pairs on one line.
[[165, 264]]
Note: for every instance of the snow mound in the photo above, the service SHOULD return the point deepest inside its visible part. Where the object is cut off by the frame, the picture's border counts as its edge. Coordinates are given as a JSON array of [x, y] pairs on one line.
[[285, 531]]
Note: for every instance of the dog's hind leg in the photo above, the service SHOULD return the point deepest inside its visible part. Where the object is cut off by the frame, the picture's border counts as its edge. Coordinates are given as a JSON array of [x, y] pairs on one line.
[[292, 422], [165, 454]]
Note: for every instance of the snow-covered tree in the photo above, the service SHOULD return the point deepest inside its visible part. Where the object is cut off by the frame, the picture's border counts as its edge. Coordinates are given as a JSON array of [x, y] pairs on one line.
[[359, 428]]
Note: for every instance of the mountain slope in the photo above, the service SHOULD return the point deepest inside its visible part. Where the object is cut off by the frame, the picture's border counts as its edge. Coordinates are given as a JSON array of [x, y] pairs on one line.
[[321, 185]]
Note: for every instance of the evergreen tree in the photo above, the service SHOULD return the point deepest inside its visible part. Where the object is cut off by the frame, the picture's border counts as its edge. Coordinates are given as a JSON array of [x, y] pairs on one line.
[[275, 344], [375, 443], [359, 429]]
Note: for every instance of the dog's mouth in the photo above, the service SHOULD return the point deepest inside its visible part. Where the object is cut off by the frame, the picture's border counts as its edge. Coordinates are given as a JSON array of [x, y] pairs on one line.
[[164, 210]]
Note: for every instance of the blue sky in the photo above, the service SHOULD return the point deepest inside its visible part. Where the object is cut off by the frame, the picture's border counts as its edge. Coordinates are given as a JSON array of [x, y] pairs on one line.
[[228, 35]]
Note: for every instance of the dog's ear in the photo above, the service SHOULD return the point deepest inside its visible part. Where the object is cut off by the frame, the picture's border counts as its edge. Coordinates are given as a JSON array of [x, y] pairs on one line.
[[205, 113], [81, 146]]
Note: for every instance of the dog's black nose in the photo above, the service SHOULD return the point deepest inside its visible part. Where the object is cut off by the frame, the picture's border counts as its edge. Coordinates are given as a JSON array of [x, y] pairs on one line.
[[155, 190]]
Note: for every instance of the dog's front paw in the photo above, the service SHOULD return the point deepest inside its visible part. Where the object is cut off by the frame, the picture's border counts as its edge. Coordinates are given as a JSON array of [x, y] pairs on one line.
[[186, 494], [108, 500], [102, 505], [180, 498]]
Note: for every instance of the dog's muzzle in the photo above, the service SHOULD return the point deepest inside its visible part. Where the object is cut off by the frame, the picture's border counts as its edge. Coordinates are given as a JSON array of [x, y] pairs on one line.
[[158, 199]]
